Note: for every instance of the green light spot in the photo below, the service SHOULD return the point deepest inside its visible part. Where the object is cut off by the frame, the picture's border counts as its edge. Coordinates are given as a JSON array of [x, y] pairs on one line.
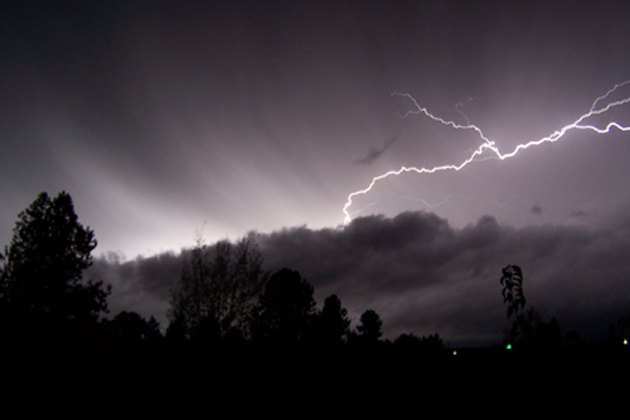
[[508, 347]]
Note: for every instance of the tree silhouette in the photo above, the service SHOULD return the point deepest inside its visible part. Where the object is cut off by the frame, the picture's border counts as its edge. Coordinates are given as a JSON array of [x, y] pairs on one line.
[[512, 282], [41, 284], [370, 326], [286, 309], [527, 329], [222, 283], [409, 343], [332, 323], [522, 329], [131, 331]]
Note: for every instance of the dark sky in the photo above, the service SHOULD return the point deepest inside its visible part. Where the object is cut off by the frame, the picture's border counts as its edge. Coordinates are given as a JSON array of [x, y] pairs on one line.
[[165, 118]]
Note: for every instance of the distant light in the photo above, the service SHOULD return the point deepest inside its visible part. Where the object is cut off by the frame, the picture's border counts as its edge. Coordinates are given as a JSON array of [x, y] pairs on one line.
[[454, 352], [508, 347], [625, 342]]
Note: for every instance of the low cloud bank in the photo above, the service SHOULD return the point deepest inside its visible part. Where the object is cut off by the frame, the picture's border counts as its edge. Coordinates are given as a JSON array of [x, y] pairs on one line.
[[423, 276]]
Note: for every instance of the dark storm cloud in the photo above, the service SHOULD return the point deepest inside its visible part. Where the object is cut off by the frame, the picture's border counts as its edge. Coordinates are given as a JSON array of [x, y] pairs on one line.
[[424, 276], [142, 285], [375, 152]]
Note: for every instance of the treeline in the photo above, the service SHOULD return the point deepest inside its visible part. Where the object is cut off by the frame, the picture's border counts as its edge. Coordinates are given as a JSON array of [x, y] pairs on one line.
[[224, 295], [237, 332], [224, 299]]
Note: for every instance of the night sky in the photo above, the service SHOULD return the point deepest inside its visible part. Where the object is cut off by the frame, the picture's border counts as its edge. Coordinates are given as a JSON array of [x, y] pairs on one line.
[[167, 119]]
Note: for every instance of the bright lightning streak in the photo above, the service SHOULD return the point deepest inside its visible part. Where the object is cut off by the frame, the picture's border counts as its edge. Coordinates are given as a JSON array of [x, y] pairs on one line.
[[598, 107]]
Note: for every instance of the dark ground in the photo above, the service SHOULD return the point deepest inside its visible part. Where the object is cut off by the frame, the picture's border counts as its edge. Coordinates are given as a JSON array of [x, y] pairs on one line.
[[563, 381]]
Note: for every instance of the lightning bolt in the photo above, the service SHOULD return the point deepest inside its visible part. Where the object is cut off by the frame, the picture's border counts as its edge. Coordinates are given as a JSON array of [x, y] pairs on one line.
[[601, 105]]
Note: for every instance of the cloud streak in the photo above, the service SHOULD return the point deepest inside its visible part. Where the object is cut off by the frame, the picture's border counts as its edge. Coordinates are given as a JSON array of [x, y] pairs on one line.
[[375, 152]]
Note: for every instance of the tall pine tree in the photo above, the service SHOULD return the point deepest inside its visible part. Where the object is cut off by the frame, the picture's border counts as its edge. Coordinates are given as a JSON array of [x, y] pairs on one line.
[[42, 291]]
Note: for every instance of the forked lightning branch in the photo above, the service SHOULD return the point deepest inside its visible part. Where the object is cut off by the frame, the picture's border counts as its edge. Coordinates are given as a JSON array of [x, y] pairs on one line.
[[601, 105]]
